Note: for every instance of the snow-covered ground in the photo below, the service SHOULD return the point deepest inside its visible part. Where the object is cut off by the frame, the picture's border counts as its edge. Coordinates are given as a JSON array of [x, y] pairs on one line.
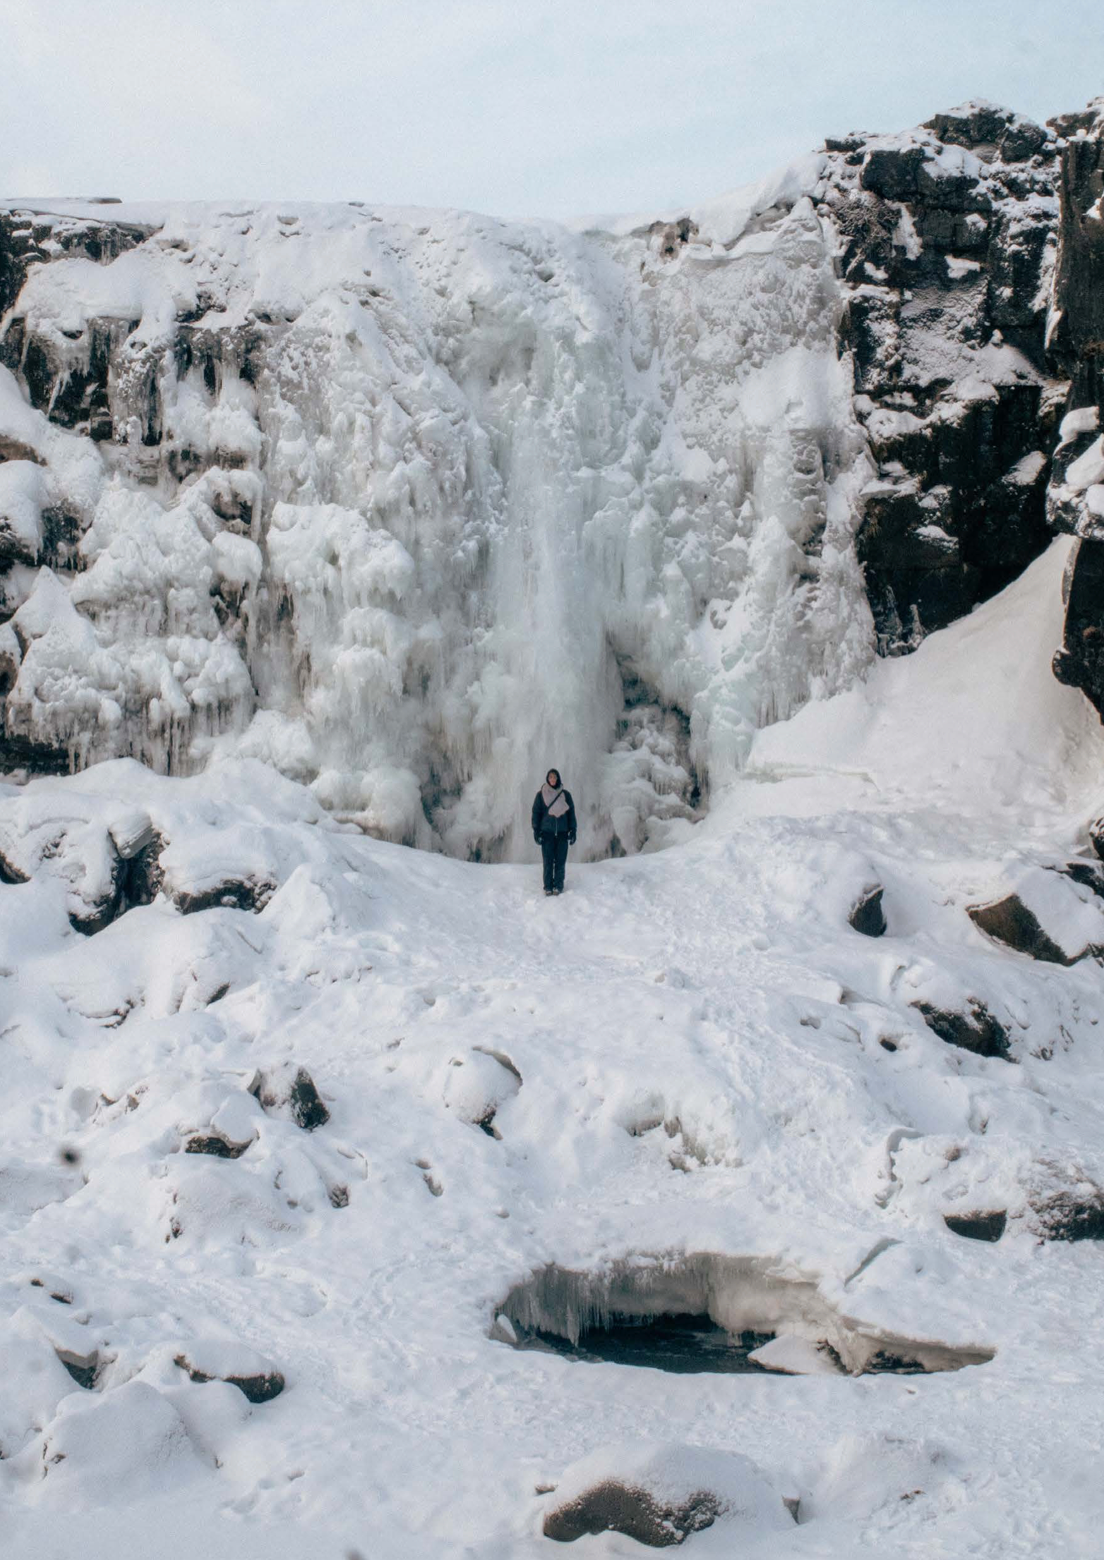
[[691, 1054]]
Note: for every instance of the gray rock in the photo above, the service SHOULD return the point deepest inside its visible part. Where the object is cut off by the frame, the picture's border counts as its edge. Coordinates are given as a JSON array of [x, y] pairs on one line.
[[1009, 921], [623, 1508], [867, 916], [973, 1030], [977, 1226], [290, 1089]]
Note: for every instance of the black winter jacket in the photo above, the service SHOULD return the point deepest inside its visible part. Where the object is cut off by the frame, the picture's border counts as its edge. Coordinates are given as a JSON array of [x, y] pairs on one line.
[[543, 824]]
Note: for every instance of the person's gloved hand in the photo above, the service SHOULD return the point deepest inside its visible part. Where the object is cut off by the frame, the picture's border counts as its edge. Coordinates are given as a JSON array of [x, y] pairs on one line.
[[536, 839], [571, 839]]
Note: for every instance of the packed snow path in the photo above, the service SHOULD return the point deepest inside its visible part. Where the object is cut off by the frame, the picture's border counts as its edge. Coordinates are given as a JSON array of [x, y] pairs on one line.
[[689, 1056]]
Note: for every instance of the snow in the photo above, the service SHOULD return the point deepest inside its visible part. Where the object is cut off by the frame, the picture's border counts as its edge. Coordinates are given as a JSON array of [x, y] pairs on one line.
[[1088, 469], [959, 268], [686, 1057]]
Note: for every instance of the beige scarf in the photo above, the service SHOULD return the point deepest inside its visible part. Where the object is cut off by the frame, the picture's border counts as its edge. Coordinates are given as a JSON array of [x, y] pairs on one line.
[[555, 803]]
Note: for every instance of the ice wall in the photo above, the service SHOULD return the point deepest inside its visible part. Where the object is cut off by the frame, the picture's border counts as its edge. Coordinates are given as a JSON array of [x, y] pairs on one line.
[[415, 504]]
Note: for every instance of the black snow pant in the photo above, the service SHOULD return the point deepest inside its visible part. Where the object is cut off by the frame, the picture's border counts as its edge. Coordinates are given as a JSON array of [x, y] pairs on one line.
[[554, 851]]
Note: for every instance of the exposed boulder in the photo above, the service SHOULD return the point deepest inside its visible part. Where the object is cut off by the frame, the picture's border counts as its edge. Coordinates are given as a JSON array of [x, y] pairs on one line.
[[229, 893], [214, 1360], [82, 1367], [1096, 835], [615, 1507], [973, 1030], [977, 1226], [659, 1495], [139, 846], [107, 858], [290, 1090], [216, 1144], [219, 868], [867, 916], [1009, 921], [1052, 915]]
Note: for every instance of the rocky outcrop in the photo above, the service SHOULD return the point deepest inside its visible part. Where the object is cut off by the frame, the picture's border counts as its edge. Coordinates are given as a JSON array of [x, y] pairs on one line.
[[946, 239], [1075, 500]]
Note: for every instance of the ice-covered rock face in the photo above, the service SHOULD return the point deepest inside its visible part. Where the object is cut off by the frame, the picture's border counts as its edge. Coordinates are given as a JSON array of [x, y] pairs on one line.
[[414, 504]]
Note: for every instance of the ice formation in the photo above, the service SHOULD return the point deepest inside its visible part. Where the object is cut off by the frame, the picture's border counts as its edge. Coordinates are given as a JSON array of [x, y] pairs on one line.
[[738, 1294], [410, 504]]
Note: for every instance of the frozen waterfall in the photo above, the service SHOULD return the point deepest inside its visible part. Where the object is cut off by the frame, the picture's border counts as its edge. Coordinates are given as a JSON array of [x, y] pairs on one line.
[[415, 504]]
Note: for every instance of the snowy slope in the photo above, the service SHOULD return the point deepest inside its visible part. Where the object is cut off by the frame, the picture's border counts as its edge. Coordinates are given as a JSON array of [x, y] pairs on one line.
[[691, 1055]]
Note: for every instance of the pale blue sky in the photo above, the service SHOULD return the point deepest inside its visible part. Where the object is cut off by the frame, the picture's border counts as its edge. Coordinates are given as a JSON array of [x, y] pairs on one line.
[[523, 108]]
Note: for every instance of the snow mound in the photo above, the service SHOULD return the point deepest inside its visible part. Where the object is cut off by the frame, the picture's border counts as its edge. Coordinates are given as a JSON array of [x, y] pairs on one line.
[[660, 1494]]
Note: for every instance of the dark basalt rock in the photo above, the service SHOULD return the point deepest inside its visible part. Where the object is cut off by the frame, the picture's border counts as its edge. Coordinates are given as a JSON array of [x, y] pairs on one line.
[[82, 1367], [260, 1387], [10, 873], [977, 1226], [1070, 124], [135, 880], [1010, 922], [142, 874], [892, 172], [973, 125], [623, 1508], [1077, 352], [930, 251], [1066, 1216], [1080, 661], [24, 232], [1090, 874], [1096, 835], [18, 753], [868, 916], [214, 1143], [976, 1030], [231, 894], [292, 1089], [886, 1364], [1020, 140], [91, 916]]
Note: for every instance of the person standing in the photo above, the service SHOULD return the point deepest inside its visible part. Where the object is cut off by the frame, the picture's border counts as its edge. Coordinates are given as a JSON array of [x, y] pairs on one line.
[[553, 829]]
